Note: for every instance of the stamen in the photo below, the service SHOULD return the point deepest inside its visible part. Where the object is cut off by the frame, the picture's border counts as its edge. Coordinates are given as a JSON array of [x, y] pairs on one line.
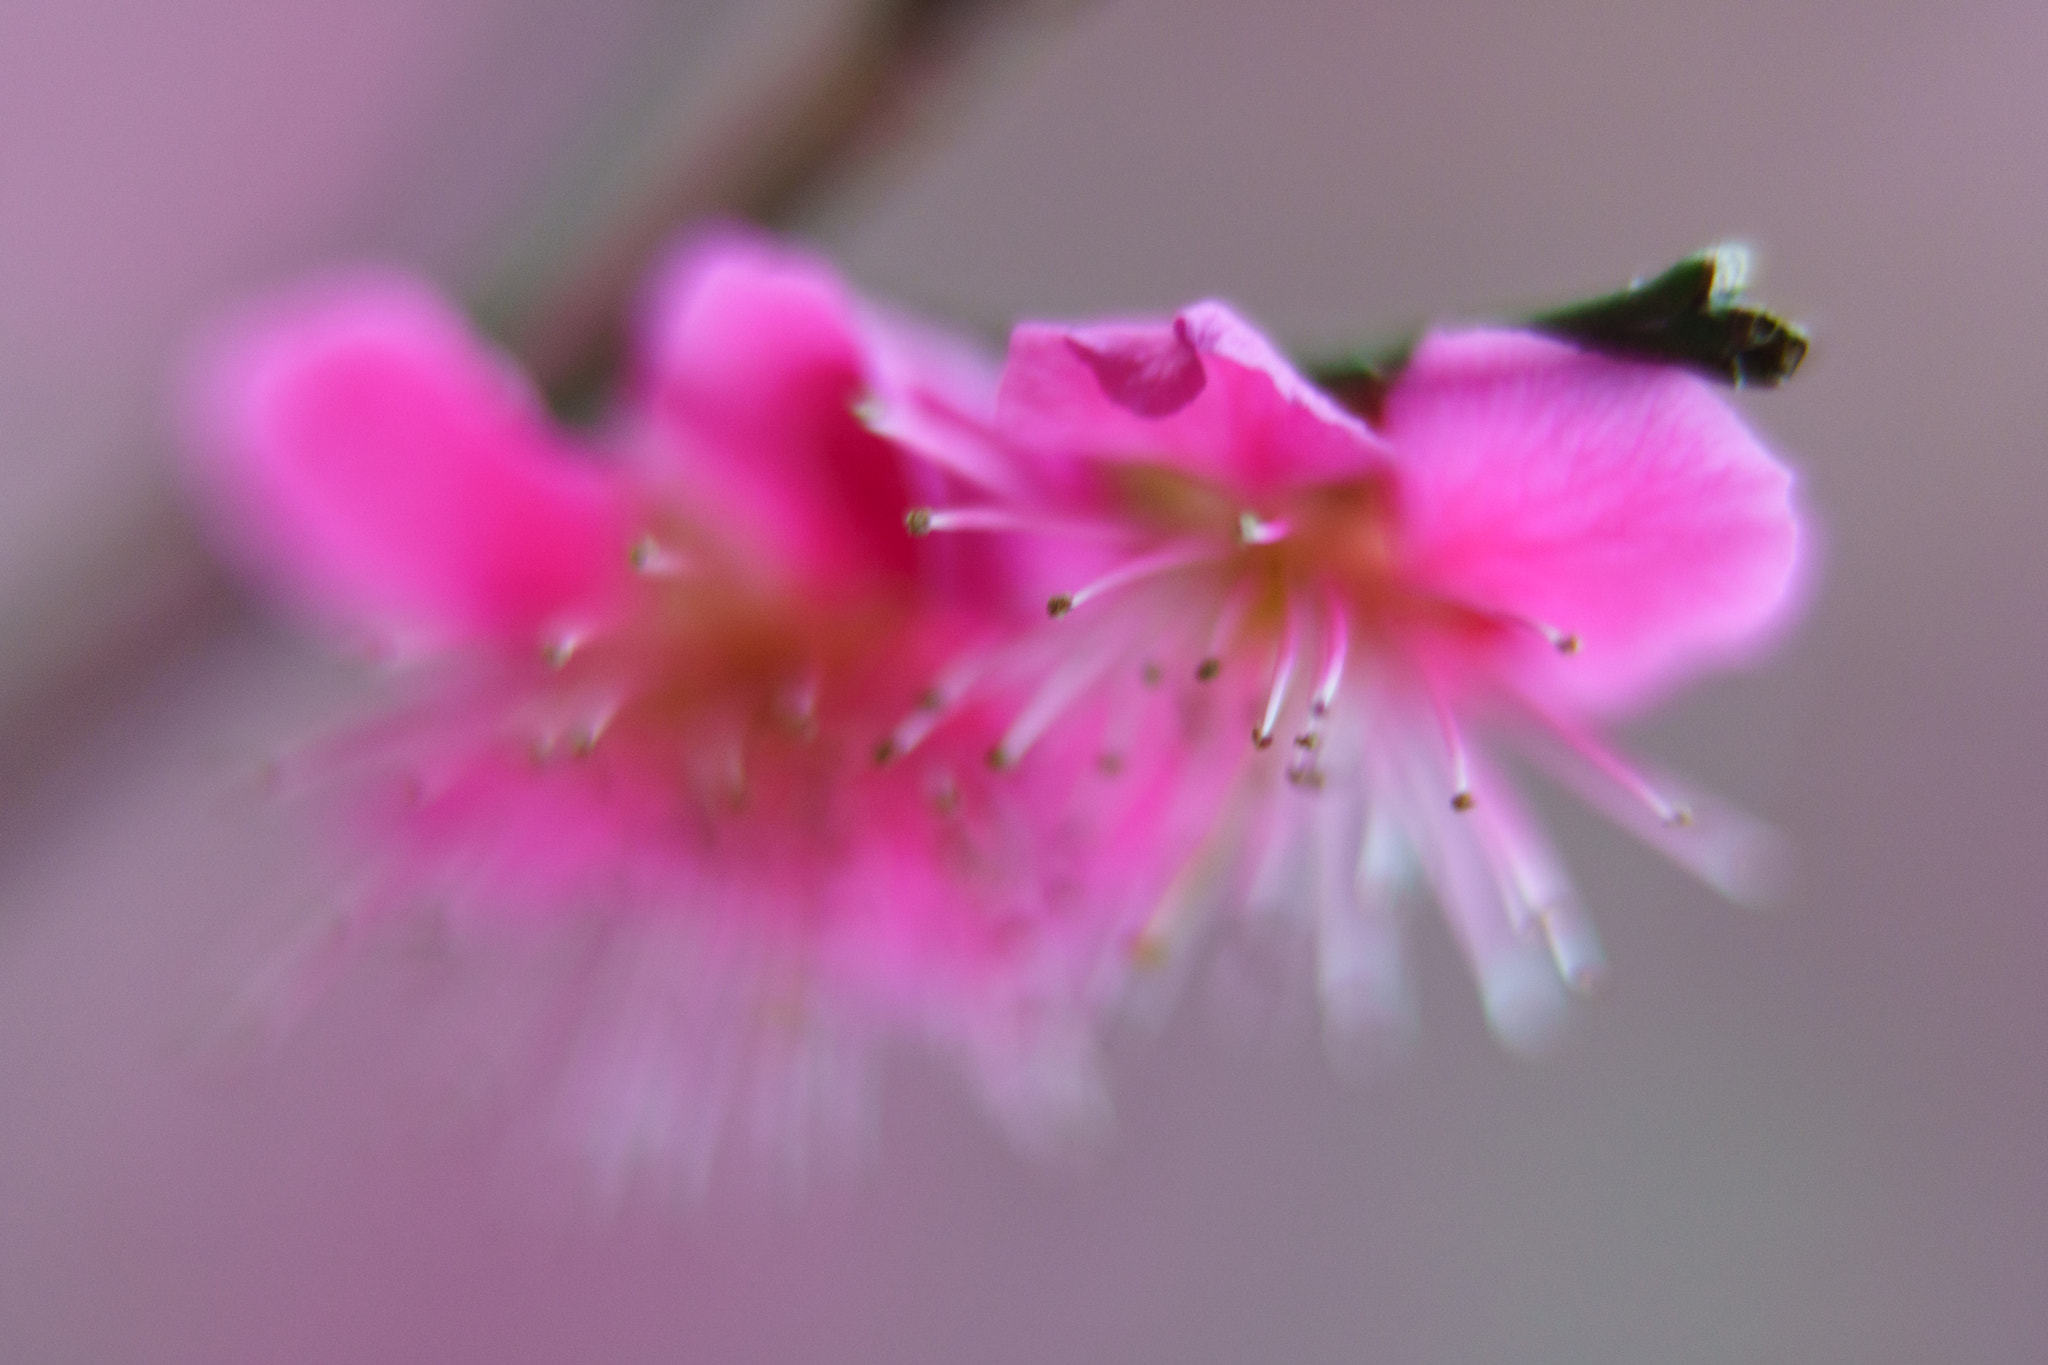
[[650, 557], [558, 651], [1622, 774], [732, 773], [1057, 693], [1301, 769], [1360, 974], [939, 701], [1336, 646], [1573, 946], [1283, 674], [1253, 530], [585, 739], [1137, 570], [1563, 641], [1537, 891], [1228, 617], [1122, 715], [799, 709], [924, 521], [1462, 798], [1181, 907]]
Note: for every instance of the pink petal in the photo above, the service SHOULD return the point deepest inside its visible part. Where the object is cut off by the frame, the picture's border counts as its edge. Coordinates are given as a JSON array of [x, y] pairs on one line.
[[1152, 374], [754, 358], [394, 476], [1623, 503], [1204, 392], [935, 396]]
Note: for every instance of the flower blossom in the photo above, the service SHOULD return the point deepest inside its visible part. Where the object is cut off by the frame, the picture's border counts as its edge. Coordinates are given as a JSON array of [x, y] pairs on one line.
[[1526, 539], [659, 660]]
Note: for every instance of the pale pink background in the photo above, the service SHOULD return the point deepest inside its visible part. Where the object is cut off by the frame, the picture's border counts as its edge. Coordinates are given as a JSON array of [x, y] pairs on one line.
[[1815, 1135]]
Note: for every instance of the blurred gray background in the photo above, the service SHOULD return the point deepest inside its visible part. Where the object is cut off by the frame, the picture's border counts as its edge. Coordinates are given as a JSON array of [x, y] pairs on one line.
[[1816, 1134]]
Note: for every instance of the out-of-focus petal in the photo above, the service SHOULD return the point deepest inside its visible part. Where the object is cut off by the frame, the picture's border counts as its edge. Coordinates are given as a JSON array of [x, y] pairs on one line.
[[1203, 392], [936, 395], [1625, 504], [754, 361], [392, 475]]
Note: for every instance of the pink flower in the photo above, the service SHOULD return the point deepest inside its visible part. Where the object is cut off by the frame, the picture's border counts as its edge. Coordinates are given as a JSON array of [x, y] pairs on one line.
[[661, 659], [1530, 538]]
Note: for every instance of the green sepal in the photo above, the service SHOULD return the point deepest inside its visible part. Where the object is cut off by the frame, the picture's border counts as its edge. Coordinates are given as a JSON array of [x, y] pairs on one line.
[[1360, 381], [1692, 316]]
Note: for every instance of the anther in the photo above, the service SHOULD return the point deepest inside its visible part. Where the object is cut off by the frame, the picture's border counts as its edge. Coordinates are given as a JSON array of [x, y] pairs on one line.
[[884, 752], [925, 521], [1170, 560], [583, 743], [1307, 776], [1563, 641], [649, 556], [797, 708], [1252, 530], [934, 703], [1109, 763], [1302, 770], [558, 651], [1223, 630], [1454, 752], [1150, 674], [1149, 950], [1053, 697]]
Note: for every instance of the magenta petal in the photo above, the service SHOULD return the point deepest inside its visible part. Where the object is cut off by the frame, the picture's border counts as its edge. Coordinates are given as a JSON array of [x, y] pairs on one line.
[[1151, 374], [394, 475], [935, 396], [1203, 392], [1622, 503], [754, 357]]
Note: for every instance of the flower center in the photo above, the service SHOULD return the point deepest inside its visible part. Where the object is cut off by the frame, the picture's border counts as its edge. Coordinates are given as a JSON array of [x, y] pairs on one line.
[[1334, 546], [711, 678], [1305, 582]]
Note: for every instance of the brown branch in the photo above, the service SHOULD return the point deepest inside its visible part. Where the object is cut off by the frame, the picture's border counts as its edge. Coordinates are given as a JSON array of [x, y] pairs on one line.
[[833, 104]]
